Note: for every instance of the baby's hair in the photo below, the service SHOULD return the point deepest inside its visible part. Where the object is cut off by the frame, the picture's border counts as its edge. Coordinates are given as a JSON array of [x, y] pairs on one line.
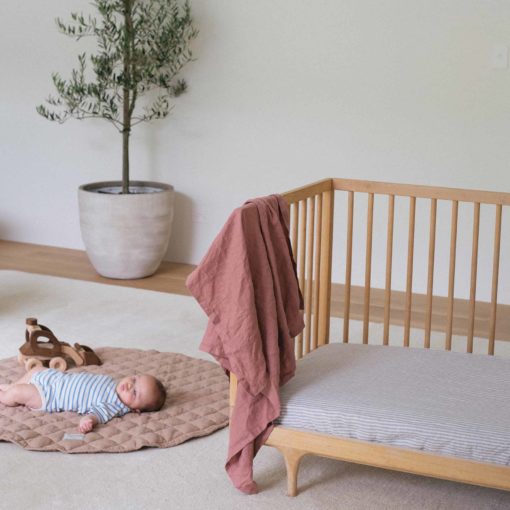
[[159, 399]]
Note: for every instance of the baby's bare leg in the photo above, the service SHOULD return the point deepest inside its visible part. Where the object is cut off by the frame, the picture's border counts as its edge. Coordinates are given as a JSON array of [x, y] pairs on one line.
[[21, 394], [23, 380]]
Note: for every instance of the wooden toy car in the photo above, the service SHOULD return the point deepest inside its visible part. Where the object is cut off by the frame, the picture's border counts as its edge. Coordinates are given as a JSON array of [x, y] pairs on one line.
[[53, 353]]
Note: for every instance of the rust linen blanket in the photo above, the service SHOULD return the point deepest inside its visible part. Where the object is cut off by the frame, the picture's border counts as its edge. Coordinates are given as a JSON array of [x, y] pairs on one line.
[[247, 286]]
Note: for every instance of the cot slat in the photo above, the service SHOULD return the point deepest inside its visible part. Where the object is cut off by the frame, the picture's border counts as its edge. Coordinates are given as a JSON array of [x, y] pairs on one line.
[[309, 275], [389, 259], [451, 274], [368, 266], [409, 282], [495, 277], [328, 204], [317, 269], [348, 265], [294, 220], [474, 268], [430, 274], [302, 259]]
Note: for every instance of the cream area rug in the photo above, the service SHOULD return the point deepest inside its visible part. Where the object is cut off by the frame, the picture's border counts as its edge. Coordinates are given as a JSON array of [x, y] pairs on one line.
[[190, 476]]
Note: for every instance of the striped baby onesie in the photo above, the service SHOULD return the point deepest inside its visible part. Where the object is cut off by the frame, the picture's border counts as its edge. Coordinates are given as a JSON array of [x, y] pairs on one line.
[[81, 392]]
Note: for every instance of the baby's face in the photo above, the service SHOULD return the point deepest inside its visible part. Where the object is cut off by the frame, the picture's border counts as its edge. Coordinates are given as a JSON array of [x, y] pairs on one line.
[[137, 391]]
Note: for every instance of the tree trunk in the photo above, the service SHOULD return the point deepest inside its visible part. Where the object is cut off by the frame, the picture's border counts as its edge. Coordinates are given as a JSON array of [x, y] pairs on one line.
[[125, 142], [126, 100]]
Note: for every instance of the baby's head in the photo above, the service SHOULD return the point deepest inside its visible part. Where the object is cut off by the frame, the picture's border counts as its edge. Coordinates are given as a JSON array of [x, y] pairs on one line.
[[141, 392]]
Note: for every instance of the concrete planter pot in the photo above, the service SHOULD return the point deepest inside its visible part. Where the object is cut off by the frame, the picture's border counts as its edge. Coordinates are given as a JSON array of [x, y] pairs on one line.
[[126, 236]]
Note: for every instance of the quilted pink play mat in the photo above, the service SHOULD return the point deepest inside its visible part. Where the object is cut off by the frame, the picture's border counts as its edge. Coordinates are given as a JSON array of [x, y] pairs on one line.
[[197, 405]]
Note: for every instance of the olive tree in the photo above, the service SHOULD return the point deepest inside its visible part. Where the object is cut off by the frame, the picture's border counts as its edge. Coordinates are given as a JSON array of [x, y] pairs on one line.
[[142, 45]]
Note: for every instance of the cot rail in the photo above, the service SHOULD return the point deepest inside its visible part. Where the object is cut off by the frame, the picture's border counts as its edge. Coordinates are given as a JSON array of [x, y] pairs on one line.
[[420, 191], [312, 213], [295, 444]]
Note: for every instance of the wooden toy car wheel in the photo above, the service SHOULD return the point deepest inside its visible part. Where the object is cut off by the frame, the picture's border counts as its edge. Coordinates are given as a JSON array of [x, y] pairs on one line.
[[32, 363], [58, 364]]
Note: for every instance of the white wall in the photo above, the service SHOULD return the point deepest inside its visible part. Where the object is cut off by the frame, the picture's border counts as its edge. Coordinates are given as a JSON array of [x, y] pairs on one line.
[[282, 93]]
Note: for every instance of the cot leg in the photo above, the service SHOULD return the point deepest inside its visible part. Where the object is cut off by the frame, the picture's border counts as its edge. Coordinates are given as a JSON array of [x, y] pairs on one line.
[[292, 459]]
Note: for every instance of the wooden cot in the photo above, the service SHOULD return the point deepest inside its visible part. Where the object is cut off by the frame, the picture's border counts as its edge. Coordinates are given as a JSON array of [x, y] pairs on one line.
[[312, 215]]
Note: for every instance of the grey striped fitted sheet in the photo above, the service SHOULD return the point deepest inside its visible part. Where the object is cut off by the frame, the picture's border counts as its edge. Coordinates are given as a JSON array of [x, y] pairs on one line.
[[441, 402]]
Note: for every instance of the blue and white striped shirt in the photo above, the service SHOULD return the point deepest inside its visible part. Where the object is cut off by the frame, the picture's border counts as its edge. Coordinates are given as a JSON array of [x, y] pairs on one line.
[[81, 392]]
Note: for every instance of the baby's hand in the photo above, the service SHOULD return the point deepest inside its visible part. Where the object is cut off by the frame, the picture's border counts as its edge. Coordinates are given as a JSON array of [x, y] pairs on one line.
[[86, 424]]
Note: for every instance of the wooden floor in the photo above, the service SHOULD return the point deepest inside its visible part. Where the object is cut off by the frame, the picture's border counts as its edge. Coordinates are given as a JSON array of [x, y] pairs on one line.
[[48, 260], [171, 277]]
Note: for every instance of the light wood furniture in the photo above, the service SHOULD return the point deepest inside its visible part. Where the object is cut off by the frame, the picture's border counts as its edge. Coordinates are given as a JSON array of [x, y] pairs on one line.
[[74, 264], [171, 277], [312, 215]]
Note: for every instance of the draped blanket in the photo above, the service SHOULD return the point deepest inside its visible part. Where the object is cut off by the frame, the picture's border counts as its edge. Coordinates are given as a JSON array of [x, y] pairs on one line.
[[247, 286]]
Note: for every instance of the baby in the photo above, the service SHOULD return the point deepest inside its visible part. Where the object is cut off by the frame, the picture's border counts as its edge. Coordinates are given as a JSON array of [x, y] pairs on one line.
[[99, 397]]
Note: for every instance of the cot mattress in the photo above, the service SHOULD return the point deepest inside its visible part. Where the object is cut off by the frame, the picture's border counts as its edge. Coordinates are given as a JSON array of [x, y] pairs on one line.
[[441, 402]]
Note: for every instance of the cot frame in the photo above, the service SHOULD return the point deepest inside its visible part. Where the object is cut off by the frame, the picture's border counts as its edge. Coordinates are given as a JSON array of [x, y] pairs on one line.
[[312, 211]]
